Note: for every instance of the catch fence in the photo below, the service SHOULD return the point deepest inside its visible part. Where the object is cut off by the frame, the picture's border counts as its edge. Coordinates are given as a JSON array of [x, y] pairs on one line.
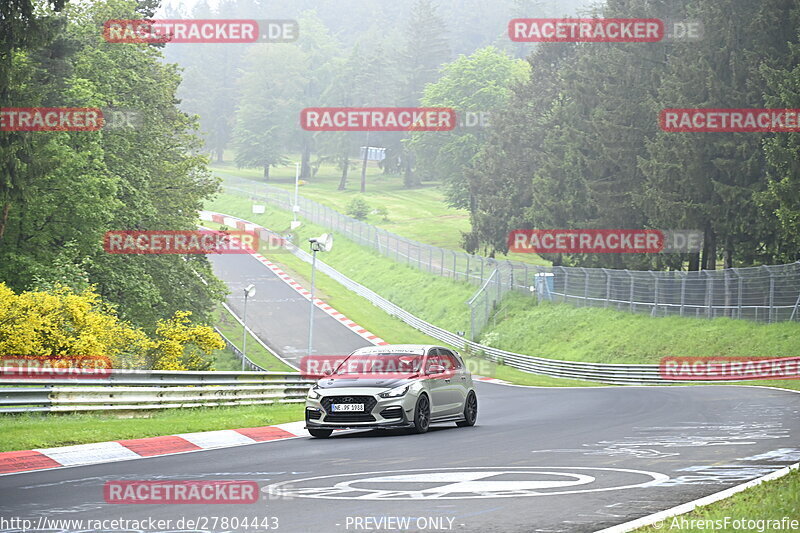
[[763, 294]]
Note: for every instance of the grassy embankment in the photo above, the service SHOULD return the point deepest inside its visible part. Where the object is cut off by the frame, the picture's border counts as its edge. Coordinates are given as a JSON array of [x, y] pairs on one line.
[[548, 330]]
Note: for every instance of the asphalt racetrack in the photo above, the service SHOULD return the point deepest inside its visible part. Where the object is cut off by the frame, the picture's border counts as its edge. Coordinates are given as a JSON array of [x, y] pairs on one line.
[[538, 460]]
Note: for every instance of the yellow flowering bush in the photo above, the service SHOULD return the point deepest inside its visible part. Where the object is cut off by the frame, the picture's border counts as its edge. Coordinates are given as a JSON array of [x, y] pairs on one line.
[[60, 323], [181, 345]]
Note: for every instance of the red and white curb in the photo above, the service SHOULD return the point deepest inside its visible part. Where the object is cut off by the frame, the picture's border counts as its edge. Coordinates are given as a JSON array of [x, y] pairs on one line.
[[123, 450], [321, 304], [362, 332]]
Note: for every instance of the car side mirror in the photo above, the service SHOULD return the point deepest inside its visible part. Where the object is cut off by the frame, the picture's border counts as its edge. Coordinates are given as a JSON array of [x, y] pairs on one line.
[[435, 369]]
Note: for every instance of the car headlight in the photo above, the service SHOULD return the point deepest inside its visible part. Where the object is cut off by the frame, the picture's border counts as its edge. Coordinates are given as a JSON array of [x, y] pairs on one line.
[[395, 393], [313, 394]]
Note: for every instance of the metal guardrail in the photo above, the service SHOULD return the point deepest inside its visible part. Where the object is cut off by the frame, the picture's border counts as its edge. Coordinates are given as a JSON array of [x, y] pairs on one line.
[[600, 372], [148, 389]]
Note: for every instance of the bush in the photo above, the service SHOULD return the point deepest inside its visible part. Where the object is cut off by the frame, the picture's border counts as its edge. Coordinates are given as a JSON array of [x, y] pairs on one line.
[[358, 208], [383, 212]]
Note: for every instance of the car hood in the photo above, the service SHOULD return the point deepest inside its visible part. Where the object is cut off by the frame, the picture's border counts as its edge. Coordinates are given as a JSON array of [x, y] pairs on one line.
[[379, 383]]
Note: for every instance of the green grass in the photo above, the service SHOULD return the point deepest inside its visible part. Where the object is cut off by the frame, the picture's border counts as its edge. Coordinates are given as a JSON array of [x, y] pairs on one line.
[[772, 500], [610, 336], [412, 213], [255, 352], [557, 331], [224, 360], [34, 430]]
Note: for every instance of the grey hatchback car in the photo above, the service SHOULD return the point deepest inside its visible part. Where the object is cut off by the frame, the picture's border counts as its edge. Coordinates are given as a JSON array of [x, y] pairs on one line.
[[393, 386]]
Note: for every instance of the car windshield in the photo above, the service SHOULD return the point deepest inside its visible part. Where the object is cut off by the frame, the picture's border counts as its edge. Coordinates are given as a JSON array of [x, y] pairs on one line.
[[381, 363]]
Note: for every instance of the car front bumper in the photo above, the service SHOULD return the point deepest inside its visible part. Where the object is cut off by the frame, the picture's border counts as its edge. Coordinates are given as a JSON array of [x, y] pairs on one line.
[[379, 412]]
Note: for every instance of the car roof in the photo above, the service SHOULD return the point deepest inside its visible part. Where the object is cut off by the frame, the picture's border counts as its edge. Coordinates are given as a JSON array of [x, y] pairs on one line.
[[397, 348]]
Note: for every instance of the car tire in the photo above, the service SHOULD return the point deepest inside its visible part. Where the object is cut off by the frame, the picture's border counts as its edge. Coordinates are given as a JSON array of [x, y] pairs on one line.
[[470, 411], [422, 414], [320, 433]]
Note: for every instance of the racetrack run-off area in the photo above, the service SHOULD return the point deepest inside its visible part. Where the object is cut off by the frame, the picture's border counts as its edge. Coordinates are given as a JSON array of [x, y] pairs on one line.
[[538, 460]]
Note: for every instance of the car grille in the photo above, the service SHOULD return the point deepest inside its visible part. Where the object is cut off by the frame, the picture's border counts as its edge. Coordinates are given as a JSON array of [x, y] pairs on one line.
[[349, 417], [392, 412], [368, 401], [313, 414]]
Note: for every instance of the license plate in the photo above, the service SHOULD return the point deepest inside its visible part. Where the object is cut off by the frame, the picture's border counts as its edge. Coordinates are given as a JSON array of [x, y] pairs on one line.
[[342, 407]]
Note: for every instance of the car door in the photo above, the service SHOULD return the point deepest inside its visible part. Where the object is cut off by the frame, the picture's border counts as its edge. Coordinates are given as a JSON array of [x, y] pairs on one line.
[[457, 388], [436, 385]]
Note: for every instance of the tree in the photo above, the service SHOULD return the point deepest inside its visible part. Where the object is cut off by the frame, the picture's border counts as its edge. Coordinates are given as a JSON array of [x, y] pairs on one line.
[[711, 180], [476, 87], [24, 32], [208, 88], [501, 182], [81, 184], [425, 50], [270, 103], [780, 202], [321, 48], [368, 77]]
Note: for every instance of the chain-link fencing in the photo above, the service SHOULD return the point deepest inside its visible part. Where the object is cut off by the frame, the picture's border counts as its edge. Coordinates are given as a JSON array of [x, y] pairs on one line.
[[764, 294]]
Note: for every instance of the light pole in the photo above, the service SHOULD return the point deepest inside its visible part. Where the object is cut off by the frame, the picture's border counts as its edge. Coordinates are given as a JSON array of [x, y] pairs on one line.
[[323, 243], [249, 292]]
